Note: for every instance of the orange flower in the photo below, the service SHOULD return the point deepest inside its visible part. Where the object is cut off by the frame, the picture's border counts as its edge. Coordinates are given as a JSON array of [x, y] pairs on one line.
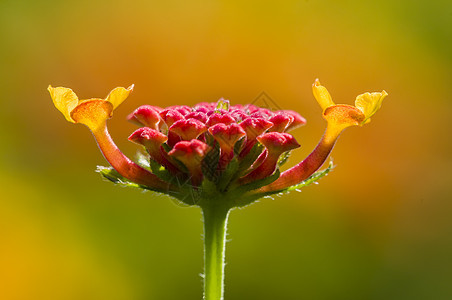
[[338, 117], [94, 113], [90, 112]]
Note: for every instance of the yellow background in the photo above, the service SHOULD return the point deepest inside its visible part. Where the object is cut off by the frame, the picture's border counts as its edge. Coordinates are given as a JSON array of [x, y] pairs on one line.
[[378, 227]]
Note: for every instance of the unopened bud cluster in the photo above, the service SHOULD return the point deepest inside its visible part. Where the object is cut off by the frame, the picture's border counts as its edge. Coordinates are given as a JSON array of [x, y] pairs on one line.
[[200, 142]]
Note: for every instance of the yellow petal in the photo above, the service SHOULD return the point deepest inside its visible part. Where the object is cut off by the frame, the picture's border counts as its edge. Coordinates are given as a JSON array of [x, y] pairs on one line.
[[92, 113], [369, 103], [64, 99], [322, 95], [342, 116], [118, 95]]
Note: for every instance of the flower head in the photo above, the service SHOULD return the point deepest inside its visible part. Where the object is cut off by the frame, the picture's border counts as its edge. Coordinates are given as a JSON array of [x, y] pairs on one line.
[[195, 153]]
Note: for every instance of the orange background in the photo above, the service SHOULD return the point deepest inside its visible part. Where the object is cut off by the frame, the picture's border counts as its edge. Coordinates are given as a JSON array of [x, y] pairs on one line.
[[378, 227]]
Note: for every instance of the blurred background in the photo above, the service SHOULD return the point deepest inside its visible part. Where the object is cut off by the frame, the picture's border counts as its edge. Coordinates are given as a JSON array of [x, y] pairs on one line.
[[378, 227]]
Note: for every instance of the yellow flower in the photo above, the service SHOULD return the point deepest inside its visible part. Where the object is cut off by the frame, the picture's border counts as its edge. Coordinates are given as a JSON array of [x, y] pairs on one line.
[[338, 117], [342, 116], [91, 112]]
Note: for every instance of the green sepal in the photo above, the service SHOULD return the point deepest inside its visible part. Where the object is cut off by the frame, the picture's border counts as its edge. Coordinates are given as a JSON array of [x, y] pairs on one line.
[[113, 176], [250, 198], [210, 163], [186, 195], [227, 175], [166, 147], [157, 169], [238, 146], [312, 179], [251, 157], [258, 183], [283, 158], [160, 171]]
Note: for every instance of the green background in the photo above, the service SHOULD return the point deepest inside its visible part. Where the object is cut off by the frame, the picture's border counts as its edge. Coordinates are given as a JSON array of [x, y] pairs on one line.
[[378, 227]]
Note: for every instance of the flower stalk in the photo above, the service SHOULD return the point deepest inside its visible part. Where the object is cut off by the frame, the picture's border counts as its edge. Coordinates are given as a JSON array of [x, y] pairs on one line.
[[215, 225]]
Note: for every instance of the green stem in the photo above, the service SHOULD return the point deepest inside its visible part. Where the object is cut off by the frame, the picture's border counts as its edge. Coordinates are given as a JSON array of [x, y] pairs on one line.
[[215, 222]]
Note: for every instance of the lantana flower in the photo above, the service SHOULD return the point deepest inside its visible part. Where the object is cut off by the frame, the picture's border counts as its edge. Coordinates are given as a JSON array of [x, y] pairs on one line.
[[214, 155]]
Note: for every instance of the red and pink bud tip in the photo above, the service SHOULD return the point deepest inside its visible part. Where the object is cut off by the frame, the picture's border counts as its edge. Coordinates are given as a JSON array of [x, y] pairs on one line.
[[191, 154], [179, 138], [146, 115], [188, 129], [280, 121], [153, 140], [222, 117], [226, 136], [197, 115], [297, 121], [276, 143], [253, 128], [171, 116]]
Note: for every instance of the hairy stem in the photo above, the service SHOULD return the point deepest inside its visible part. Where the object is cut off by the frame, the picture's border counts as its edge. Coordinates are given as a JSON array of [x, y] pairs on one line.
[[215, 223]]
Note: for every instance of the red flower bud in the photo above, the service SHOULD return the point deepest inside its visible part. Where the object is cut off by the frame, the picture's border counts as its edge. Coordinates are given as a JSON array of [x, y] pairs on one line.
[[251, 108], [197, 115], [170, 116], [146, 115], [280, 121], [226, 136], [148, 137], [222, 117], [275, 143], [188, 129], [238, 115], [262, 113], [191, 153], [204, 107], [152, 140], [255, 127], [298, 120]]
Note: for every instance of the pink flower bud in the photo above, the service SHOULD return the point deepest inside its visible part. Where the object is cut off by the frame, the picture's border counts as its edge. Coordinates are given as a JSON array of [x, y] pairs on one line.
[[262, 113], [191, 153], [183, 109], [226, 136], [204, 107], [146, 115], [255, 127], [152, 140], [188, 129], [280, 121], [170, 116], [275, 143], [238, 115], [298, 120], [197, 115], [251, 108], [217, 118], [148, 137]]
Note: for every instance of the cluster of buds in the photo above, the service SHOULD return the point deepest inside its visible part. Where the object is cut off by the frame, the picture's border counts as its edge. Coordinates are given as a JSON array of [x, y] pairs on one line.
[[195, 153]]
